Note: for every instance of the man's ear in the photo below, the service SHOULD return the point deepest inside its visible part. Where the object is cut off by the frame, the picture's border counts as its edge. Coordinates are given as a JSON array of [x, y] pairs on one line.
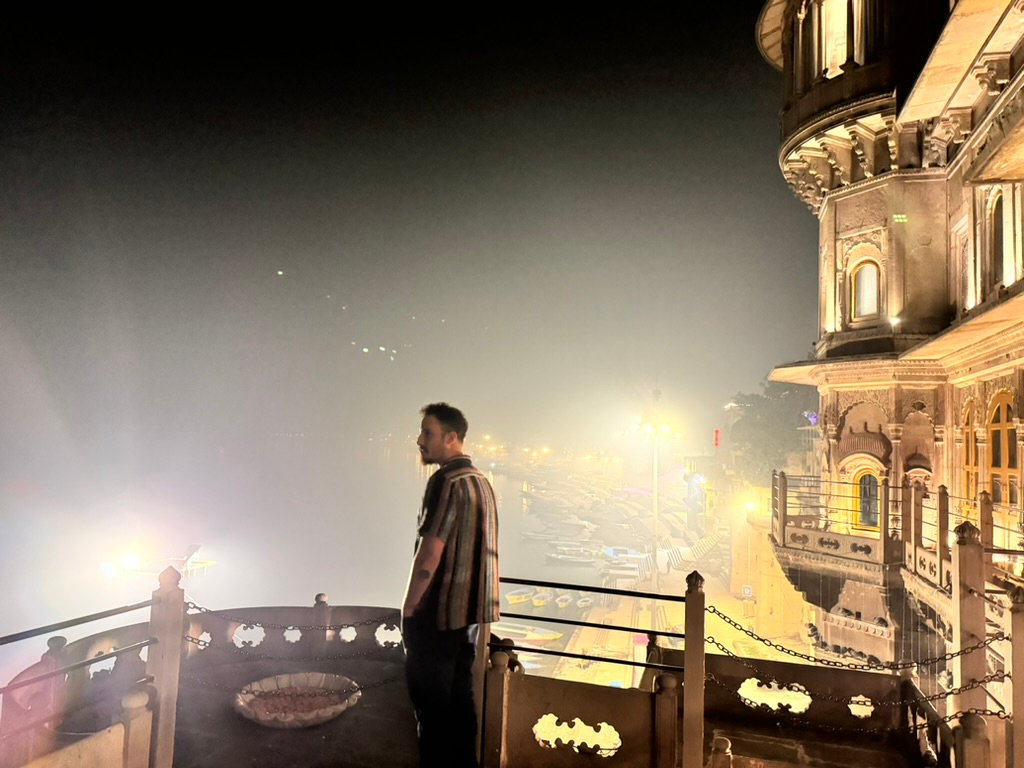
[[450, 438]]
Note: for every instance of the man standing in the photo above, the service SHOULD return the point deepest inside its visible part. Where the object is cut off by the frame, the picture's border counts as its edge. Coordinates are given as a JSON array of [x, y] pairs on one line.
[[453, 589]]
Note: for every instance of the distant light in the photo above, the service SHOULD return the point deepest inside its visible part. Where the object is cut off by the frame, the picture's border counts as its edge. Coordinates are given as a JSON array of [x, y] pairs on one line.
[[899, 218], [894, 321], [129, 560], [382, 349], [751, 505], [280, 272], [394, 351], [366, 349], [328, 295], [392, 358]]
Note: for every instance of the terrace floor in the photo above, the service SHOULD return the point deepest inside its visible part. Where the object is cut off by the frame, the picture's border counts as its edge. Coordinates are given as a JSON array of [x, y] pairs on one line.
[[380, 730]]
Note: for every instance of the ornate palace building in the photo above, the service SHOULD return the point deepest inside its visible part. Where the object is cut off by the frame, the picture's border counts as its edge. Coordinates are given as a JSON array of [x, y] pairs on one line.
[[902, 129]]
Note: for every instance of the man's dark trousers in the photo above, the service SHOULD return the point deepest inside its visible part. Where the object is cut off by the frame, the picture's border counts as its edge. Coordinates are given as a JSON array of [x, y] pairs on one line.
[[439, 673]]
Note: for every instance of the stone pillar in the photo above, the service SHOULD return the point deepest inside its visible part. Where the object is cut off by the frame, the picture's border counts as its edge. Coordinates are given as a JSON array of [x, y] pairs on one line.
[[163, 662], [495, 720], [321, 618], [666, 722], [781, 508], [981, 433], [971, 742], [693, 673], [721, 753], [851, 38], [942, 532], [1015, 666], [799, 84], [968, 616], [138, 728], [985, 523]]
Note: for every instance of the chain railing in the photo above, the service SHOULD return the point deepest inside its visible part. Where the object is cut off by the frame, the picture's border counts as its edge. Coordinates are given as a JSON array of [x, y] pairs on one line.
[[893, 666]]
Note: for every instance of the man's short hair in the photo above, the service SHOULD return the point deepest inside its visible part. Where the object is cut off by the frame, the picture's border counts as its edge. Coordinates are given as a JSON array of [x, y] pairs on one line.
[[451, 418]]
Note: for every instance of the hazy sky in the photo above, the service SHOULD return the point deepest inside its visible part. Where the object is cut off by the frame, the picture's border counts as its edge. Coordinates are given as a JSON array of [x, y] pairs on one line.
[[538, 219]]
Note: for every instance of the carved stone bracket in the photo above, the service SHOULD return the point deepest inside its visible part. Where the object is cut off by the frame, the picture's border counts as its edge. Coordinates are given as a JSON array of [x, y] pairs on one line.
[[993, 73]]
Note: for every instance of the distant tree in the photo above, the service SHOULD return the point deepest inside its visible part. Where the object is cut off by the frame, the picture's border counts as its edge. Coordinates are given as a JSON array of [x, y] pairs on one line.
[[767, 426]]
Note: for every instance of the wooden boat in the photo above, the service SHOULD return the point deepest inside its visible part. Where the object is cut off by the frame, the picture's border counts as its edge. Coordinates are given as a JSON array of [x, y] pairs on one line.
[[585, 602], [563, 601], [543, 598], [517, 596], [524, 633]]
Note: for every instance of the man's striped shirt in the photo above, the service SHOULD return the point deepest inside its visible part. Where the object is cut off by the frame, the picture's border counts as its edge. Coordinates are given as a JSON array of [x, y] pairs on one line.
[[459, 508]]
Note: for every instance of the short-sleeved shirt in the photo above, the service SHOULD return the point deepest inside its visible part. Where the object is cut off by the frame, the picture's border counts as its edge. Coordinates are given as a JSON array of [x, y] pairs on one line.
[[459, 508]]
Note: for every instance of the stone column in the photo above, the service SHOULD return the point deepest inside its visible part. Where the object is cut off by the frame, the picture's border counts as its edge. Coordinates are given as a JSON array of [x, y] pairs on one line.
[[968, 616], [971, 742], [163, 662], [138, 727], [1015, 666], [495, 720], [693, 673], [666, 722]]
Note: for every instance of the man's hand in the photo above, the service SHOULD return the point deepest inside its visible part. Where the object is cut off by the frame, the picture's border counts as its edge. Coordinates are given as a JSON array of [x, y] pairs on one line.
[[428, 558]]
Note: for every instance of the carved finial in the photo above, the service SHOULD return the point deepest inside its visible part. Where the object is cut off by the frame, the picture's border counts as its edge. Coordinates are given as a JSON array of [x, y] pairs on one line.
[[967, 533], [499, 660], [169, 577], [1016, 594], [665, 683], [694, 582], [56, 643], [320, 599]]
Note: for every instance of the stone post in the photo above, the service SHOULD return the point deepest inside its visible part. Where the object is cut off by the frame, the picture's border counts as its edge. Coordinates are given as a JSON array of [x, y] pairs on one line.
[[986, 524], [666, 722], [321, 618], [721, 753], [942, 531], [693, 673], [968, 616], [970, 740], [917, 512], [163, 662], [138, 728], [495, 720], [1015, 666]]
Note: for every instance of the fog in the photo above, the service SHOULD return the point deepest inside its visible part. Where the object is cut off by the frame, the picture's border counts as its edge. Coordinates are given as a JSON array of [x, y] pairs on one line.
[[235, 267]]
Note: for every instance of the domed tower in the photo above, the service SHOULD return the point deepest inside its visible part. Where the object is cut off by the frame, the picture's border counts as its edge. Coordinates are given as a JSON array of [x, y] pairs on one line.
[[902, 129]]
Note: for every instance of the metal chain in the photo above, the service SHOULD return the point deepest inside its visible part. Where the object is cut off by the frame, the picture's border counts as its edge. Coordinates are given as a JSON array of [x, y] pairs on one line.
[[766, 676], [892, 665], [249, 654], [390, 619]]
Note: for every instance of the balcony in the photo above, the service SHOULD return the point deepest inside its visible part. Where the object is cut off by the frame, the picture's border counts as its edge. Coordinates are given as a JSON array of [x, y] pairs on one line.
[[174, 708]]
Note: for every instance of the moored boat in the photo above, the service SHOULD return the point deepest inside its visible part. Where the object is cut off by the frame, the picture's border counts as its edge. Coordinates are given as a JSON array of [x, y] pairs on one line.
[[585, 602], [543, 598], [523, 632], [517, 596], [563, 601]]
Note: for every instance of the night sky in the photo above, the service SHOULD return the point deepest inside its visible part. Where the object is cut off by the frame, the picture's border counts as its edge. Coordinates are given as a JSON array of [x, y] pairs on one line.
[[539, 220]]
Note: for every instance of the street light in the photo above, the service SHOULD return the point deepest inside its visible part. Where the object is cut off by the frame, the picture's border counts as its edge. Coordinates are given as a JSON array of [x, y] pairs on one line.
[[655, 430]]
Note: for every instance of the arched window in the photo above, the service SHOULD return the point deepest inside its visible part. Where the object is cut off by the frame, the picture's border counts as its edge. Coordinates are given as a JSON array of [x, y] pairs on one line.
[[864, 281], [867, 500], [970, 455], [996, 240], [1003, 472]]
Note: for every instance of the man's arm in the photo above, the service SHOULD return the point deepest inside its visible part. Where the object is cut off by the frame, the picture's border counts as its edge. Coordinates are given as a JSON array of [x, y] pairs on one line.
[[424, 566]]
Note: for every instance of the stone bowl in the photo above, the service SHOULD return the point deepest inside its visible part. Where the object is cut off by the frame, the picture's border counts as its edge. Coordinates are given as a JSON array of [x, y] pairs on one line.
[[298, 700]]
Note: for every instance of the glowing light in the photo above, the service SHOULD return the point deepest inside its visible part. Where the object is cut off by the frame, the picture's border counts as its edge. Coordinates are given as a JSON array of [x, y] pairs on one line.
[[280, 272], [894, 321], [899, 218], [366, 349], [382, 349], [750, 505], [129, 561]]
